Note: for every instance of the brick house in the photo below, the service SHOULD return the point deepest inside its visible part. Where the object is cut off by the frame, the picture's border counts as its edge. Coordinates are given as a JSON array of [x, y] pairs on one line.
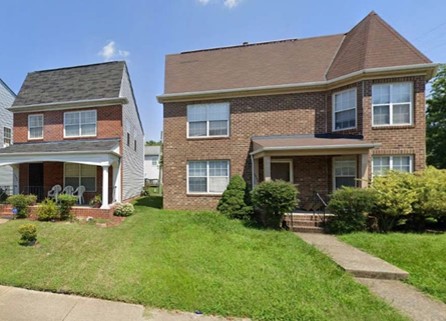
[[320, 112], [77, 126]]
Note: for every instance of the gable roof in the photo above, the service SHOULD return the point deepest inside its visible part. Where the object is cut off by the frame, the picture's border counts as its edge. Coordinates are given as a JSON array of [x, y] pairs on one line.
[[79, 83], [152, 150], [372, 43]]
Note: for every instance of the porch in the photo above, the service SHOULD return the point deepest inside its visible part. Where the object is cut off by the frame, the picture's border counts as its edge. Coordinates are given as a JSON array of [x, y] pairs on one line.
[[315, 164], [94, 164]]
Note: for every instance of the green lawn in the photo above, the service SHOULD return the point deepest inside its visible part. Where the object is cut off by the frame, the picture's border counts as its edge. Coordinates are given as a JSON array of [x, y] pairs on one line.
[[189, 261], [422, 255]]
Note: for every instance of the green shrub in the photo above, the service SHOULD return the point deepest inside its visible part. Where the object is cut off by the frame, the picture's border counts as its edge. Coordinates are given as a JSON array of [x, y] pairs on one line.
[[272, 199], [234, 201], [96, 201], [395, 195], [21, 203], [351, 206], [125, 209], [66, 202], [28, 234], [47, 210]]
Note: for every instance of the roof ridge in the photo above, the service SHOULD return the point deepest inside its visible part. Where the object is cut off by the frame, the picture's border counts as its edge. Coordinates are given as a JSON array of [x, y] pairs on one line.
[[7, 87], [260, 43], [366, 39], [401, 38], [78, 66], [334, 56]]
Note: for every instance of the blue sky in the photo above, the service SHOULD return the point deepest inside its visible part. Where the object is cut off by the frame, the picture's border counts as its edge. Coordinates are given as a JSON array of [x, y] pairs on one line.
[[48, 34]]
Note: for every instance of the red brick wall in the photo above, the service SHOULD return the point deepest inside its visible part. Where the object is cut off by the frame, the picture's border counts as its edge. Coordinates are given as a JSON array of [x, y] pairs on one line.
[[305, 113], [109, 124]]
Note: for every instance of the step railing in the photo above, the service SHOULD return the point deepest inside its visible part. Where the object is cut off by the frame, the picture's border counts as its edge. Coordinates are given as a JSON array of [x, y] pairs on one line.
[[5, 191], [319, 204]]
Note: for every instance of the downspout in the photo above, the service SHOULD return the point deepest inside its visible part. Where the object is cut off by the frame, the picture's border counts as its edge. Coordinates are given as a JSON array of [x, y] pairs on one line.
[[252, 172]]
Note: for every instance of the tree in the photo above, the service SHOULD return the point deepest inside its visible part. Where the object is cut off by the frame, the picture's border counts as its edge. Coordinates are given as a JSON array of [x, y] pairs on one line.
[[153, 143], [436, 121], [234, 201]]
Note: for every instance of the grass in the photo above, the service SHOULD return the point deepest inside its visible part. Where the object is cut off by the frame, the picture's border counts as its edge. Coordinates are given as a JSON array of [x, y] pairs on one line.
[[189, 261], [422, 255]]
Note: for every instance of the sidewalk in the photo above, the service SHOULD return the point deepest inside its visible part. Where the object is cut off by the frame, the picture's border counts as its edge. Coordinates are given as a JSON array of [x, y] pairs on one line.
[[18, 304], [380, 277]]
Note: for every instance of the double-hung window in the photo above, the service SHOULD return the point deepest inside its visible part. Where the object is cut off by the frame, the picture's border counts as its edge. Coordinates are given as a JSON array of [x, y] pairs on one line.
[[78, 174], [7, 136], [35, 126], [208, 120], [344, 110], [207, 177], [392, 104], [80, 123], [383, 164], [344, 172]]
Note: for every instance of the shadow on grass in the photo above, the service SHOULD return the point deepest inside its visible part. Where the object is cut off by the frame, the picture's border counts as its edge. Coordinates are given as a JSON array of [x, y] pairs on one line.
[[150, 201]]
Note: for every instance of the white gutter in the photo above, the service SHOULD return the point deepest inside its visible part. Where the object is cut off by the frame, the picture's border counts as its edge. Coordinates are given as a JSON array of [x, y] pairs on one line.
[[70, 104], [164, 97], [59, 153], [312, 147]]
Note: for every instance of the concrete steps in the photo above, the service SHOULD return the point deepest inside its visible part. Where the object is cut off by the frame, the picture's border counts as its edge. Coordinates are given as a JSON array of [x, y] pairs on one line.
[[6, 211]]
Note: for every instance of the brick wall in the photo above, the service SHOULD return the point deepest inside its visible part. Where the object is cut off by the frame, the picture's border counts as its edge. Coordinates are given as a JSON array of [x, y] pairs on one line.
[[303, 113], [109, 124]]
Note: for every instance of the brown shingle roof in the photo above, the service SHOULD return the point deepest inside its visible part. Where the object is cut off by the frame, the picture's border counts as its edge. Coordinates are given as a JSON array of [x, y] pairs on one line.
[[372, 43]]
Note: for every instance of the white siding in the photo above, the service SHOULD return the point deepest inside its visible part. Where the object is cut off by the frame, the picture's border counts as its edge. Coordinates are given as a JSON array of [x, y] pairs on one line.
[[151, 171], [132, 161], [6, 100]]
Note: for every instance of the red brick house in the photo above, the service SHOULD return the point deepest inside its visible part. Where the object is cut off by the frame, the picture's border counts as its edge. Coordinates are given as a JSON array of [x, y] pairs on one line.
[[319, 112], [77, 126]]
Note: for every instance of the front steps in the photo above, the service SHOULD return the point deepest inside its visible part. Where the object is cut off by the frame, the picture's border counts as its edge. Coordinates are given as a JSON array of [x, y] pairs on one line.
[[305, 223], [6, 211]]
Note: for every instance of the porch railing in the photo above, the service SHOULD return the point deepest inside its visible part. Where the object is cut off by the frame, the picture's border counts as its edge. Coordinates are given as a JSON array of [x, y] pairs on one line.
[[5, 191], [319, 204]]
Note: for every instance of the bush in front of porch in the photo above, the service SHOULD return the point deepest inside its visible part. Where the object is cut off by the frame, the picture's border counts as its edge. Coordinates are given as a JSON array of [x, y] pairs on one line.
[[21, 203], [235, 202]]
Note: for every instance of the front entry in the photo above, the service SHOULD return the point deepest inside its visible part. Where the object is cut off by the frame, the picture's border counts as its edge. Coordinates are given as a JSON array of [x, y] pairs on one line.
[[282, 170], [35, 180]]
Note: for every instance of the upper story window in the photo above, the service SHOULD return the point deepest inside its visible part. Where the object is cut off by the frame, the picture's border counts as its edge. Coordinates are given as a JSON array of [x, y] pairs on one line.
[[153, 160], [383, 164], [344, 110], [80, 123], [7, 136], [208, 120], [392, 104], [35, 126]]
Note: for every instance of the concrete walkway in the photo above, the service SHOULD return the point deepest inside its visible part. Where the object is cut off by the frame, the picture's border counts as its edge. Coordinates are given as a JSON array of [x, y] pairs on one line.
[[380, 277], [24, 305]]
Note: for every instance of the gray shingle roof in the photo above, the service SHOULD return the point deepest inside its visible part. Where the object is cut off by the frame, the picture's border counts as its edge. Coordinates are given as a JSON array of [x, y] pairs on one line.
[[86, 82], [62, 146], [152, 150]]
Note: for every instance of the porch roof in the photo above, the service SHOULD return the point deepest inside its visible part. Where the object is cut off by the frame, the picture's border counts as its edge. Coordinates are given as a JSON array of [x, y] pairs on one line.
[[326, 144], [93, 152]]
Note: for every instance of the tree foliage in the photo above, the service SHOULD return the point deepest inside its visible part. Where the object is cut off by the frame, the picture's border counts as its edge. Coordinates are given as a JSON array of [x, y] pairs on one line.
[[153, 143], [436, 121], [235, 199]]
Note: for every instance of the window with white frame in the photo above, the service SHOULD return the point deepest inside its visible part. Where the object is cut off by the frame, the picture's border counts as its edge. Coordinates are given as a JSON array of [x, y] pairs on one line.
[[35, 126], [79, 174], [153, 160], [383, 164], [344, 110], [80, 123], [207, 177], [392, 104], [7, 136], [344, 172], [208, 120]]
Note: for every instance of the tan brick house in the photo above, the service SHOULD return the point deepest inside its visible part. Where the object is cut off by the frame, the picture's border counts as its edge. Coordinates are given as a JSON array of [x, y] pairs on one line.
[[77, 126], [319, 112]]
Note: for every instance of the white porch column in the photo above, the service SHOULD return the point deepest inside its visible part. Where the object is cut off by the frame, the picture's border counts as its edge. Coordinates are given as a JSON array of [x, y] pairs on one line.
[[364, 182], [267, 168], [15, 179], [105, 187], [117, 181]]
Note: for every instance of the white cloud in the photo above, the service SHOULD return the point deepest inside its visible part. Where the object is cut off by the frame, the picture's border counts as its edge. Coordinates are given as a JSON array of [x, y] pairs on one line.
[[231, 3], [110, 51], [227, 3]]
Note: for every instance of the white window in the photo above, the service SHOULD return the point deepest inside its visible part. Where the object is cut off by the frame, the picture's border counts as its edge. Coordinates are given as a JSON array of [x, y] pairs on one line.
[[344, 172], [7, 136], [208, 120], [344, 110], [35, 126], [207, 177], [392, 104], [382, 164], [153, 160], [79, 174], [80, 123]]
